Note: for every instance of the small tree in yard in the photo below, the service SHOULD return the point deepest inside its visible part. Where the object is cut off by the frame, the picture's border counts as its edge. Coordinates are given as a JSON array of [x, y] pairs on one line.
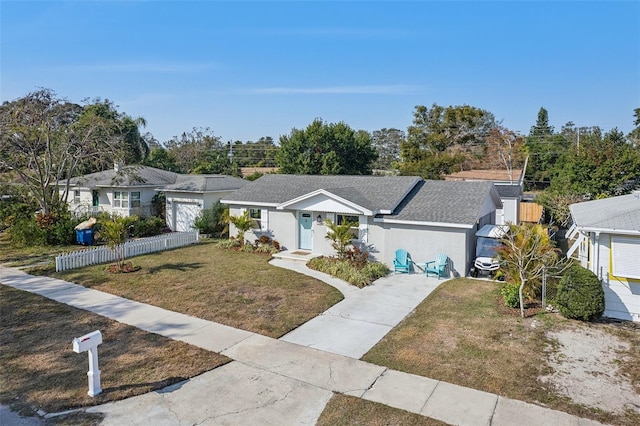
[[580, 294], [114, 232], [526, 252], [340, 235], [242, 223]]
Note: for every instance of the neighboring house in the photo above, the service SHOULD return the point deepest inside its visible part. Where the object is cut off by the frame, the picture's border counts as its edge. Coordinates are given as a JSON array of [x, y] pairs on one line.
[[129, 190], [391, 212], [608, 244], [186, 199], [510, 188], [124, 190]]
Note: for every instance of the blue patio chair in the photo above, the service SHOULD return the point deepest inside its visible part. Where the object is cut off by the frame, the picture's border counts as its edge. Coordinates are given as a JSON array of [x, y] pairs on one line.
[[402, 261], [437, 267]]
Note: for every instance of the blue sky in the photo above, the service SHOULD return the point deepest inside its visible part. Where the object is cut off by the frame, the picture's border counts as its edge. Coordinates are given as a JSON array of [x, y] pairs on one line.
[[252, 69]]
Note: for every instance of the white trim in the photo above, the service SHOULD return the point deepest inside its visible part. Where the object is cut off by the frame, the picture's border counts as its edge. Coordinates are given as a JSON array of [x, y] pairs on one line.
[[421, 223], [609, 231], [575, 245], [195, 192], [243, 204], [328, 194]]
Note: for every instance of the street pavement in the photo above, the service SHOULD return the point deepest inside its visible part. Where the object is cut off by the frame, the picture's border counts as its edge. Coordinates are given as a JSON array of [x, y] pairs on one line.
[[289, 381]]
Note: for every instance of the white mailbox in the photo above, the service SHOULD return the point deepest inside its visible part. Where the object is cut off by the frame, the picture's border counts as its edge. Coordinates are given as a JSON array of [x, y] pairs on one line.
[[89, 343], [86, 342]]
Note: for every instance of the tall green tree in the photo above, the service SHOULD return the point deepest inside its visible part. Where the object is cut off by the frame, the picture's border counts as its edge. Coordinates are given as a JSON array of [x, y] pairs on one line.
[[544, 148], [47, 140], [194, 148], [442, 138], [387, 143], [634, 135], [326, 149], [160, 158]]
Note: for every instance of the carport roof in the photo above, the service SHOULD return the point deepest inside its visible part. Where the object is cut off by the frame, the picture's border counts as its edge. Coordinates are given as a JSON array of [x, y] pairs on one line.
[[375, 193], [205, 183], [437, 201]]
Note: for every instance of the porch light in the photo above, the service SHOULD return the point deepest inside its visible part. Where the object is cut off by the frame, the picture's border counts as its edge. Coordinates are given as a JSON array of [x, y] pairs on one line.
[[319, 219]]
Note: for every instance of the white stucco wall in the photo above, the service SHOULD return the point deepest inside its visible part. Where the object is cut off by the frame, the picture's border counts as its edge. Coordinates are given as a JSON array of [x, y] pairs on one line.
[[510, 212], [424, 243]]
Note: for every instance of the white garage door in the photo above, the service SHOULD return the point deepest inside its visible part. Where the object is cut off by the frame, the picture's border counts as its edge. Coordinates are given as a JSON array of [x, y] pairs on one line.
[[185, 215]]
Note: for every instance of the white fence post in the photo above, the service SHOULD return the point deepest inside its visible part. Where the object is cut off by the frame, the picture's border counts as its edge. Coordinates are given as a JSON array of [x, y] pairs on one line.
[[102, 254]]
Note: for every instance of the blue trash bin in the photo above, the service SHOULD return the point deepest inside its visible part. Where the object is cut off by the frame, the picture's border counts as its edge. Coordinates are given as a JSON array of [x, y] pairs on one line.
[[84, 236]]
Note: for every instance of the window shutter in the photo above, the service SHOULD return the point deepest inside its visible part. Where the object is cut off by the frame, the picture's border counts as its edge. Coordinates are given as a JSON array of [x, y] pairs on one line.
[[264, 220], [625, 253]]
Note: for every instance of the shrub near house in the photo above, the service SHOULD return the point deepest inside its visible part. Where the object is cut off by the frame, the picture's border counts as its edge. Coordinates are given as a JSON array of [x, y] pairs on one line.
[[580, 294]]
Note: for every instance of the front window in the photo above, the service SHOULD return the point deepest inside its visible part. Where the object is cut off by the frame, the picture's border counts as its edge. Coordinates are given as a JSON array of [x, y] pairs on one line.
[[354, 220], [256, 215], [76, 196], [135, 199], [121, 199]]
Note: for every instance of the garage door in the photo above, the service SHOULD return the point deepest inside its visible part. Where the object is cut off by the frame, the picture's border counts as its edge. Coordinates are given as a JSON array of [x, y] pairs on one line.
[[185, 216]]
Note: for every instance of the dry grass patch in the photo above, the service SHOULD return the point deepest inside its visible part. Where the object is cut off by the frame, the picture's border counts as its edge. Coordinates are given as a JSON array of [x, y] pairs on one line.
[[230, 287], [39, 370], [462, 334], [351, 411], [25, 255]]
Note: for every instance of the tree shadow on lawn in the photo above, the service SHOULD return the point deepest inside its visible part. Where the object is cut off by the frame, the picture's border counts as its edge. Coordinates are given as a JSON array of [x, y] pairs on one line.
[[181, 267]]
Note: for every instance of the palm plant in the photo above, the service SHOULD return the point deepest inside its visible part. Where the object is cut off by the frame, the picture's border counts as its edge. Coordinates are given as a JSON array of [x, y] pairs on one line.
[[114, 232], [340, 235], [242, 223]]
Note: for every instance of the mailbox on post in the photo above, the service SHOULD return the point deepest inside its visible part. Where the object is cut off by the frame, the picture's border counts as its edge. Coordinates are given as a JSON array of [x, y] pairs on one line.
[[89, 343]]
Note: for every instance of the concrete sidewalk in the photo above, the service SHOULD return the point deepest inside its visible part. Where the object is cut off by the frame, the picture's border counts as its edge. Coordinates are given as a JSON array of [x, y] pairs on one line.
[[273, 381]]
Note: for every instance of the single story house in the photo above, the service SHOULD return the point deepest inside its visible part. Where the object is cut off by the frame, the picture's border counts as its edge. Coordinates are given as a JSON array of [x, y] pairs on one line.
[[607, 241], [391, 212], [130, 190], [186, 198]]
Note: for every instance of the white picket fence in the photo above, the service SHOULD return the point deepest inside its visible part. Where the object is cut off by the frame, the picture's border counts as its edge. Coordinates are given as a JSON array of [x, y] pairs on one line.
[[103, 254]]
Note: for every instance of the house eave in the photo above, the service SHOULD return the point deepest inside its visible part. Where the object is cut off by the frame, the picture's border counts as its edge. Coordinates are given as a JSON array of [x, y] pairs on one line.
[[586, 229], [424, 223], [248, 203]]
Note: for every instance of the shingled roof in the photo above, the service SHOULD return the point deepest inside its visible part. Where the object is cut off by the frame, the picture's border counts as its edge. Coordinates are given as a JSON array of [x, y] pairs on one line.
[[437, 201], [411, 198], [374, 193], [126, 176], [620, 213], [205, 183]]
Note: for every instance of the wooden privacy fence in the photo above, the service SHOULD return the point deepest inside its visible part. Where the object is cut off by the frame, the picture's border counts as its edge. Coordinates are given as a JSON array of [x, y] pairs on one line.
[[103, 254]]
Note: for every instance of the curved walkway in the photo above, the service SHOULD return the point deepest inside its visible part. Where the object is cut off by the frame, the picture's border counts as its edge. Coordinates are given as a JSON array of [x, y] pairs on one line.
[[274, 381]]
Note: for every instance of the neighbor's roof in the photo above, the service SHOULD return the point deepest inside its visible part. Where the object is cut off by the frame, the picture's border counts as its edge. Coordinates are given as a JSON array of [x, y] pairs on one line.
[[374, 193], [128, 176], [205, 183], [620, 213], [509, 191], [492, 175], [445, 202]]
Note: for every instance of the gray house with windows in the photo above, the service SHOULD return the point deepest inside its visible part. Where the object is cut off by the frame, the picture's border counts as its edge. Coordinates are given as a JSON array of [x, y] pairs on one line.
[[389, 212], [129, 190]]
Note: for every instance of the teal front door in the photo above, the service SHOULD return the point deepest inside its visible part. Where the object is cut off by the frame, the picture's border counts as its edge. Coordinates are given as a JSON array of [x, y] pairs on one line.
[[306, 233]]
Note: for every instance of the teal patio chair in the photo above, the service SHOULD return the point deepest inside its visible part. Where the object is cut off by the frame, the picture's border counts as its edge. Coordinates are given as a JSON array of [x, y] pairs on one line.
[[437, 267], [402, 261]]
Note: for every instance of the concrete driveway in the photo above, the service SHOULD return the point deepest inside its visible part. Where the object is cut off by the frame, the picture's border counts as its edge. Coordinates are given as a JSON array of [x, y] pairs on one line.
[[357, 323]]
